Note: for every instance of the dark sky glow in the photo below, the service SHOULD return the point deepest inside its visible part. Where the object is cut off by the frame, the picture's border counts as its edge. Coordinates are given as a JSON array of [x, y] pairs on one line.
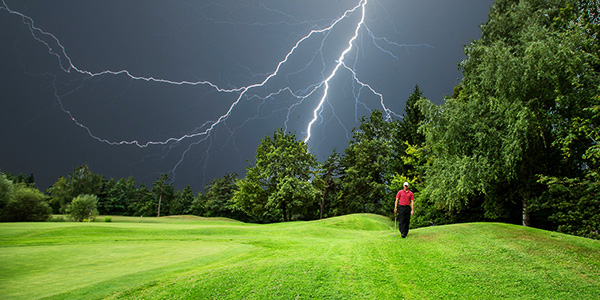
[[189, 88]]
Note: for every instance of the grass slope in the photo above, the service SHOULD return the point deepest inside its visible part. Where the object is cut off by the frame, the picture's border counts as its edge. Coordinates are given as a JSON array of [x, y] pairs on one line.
[[354, 256]]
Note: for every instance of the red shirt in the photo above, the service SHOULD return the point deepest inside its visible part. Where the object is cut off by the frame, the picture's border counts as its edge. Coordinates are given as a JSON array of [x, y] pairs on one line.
[[404, 198]]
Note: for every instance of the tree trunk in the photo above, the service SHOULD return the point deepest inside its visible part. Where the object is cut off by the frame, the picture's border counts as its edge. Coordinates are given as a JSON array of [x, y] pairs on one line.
[[160, 196], [322, 204], [159, 199], [526, 217], [284, 211]]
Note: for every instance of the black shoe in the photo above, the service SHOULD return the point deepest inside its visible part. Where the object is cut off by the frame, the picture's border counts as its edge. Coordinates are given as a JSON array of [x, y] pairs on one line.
[[404, 236]]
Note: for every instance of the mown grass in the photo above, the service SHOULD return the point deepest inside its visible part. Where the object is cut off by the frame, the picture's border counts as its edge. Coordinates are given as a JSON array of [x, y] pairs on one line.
[[349, 257]]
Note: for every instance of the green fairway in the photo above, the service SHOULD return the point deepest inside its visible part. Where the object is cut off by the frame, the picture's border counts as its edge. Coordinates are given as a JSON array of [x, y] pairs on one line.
[[354, 256]]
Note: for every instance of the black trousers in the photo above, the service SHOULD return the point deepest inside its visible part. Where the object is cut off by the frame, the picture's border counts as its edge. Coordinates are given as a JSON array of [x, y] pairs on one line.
[[403, 219]]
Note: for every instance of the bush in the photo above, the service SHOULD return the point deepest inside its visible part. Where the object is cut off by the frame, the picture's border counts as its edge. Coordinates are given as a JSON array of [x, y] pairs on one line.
[[572, 204], [6, 190], [83, 207], [26, 205], [107, 219], [57, 219]]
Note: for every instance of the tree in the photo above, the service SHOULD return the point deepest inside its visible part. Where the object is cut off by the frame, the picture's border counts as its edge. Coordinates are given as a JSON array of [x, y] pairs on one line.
[[574, 209], [218, 197], [367, 167], [26, 204], [107, 185], [185, 199], [251, 197], [83, 207], [197, 206], [81, 181], [300, 198], [182, 200], [21, 178], [331, 174], [60, 195], [6, 190], [523, 80], [571, 204], [411, 121], [119, 196], [144, 203], [406, 136], [281, 162], [163, 192]]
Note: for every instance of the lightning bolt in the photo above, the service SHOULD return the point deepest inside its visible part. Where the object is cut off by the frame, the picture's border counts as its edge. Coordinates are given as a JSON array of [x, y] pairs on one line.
[[202, 133], [340, 63]]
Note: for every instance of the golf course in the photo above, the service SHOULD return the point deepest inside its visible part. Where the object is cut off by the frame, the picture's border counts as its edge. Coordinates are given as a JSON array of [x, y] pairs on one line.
[[349, 257]]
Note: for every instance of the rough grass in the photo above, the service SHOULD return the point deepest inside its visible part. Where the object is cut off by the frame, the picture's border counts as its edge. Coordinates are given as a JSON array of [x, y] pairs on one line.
[[349, 257]]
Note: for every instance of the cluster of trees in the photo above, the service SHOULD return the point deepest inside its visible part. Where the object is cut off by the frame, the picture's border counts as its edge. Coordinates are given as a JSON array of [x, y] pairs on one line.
[[285, 183], [20, 201], [83, 195], [119, 197], [517, 141]]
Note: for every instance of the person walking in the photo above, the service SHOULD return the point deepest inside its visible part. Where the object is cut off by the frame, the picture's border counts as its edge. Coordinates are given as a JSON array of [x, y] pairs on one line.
[[406, 200]]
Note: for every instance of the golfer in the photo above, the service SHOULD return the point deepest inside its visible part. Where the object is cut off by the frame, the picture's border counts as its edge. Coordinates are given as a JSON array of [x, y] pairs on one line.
[[406, 200]]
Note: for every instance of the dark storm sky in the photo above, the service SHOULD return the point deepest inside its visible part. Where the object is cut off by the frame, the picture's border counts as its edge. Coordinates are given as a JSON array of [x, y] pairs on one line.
[[60, 109]]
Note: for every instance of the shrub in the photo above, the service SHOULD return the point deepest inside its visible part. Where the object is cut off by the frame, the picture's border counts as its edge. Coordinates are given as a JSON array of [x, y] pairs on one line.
[[26, 205], [6, 190], [83, 207], [57, 219], [107, 219]]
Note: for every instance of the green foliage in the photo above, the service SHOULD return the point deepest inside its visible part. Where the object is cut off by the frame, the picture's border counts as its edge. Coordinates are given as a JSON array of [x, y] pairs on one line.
[[57, 219], [405, 131], [377, 154], [416, 160], [218, 199], [570, 205], [331, 174], [251, 198], [107, 219], [26, 204], [144, 204], [579, 141], [6, 191], [183, 201], [367, 167], [164, 194], [525, 81], [119, 197], [21, 202], [29, 181], [83, 207], [282, 162], [397, 183], [411, 121], [81, 181], [300, 197], [60, 194], [197, 208]]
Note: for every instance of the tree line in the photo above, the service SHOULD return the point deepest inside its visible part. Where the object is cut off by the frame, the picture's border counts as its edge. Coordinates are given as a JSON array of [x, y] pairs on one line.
[[285, 183], [517, 142]]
